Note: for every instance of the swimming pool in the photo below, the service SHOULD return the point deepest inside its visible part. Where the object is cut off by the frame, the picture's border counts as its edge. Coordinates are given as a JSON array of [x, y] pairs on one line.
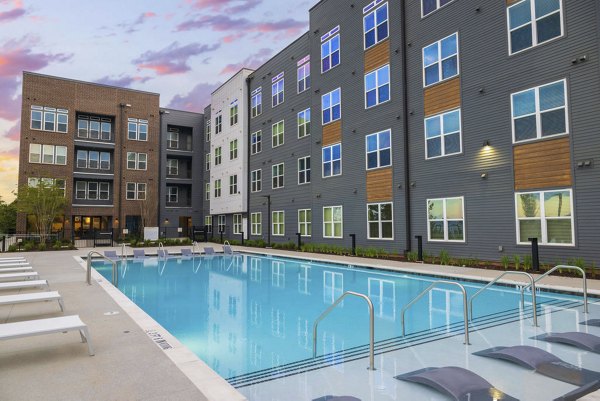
[[250, 317]]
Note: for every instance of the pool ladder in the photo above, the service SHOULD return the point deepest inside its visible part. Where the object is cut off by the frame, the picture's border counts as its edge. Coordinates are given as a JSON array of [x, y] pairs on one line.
[[115, 273], [566, 267]]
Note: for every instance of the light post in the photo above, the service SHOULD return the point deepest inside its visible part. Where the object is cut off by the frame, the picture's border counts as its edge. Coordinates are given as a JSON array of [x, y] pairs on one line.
[[268, 219]]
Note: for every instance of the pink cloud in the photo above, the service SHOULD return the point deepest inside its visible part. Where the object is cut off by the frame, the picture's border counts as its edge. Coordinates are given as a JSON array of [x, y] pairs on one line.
[[224, 23], [12, 14], [123, 81], [252, 62], [172, 59], [14, 133], [196, 100], [225, 6]]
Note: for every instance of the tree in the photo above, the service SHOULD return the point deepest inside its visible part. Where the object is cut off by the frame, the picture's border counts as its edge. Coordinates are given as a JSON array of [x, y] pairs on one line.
[[149, 207], [44, 202], [8, 217]]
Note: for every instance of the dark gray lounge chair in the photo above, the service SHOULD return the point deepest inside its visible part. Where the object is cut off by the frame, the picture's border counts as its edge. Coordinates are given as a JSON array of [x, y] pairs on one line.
[[588, 342], [209, 250], [544, 363], [580, 392], [112, 255], [592, 322], [186, 253], [461, 384], [337, 398], [139, 254]]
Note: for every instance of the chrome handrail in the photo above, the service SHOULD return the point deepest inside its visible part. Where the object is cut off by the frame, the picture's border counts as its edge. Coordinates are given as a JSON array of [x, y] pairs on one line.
[[161, 247], [567, 267], [115, 275], [124, 251], [432, 286], [194, 245], [371, 325], [494, 281]]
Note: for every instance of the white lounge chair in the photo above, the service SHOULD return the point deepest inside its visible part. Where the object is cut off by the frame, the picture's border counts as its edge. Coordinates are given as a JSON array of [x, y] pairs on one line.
[[4, 260], [2, 267], [17, 285], [32, 297], [19, 276], [37, 327], [14, 264], [16, 269]]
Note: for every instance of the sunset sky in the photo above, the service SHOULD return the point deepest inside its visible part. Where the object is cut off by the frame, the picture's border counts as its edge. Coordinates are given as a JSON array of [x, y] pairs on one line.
[[181, 49]]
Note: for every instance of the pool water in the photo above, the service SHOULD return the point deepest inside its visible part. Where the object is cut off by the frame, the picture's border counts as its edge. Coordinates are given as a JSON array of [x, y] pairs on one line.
[[244, 313]]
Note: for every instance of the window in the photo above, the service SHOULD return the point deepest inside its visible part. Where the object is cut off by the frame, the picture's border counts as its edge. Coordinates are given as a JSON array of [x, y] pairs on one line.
[[332, 222], [375, 24], [256, 103], [136, 161], [218, 188], [330, 50], [278, 223], [59, 183], [221, 223], [379, 149], [207, 133], [256, 223], [332, 160], [93, 159], [136, 191], [237, 223], [172, 194], [172, 167], [233, 185], [256, 180], [219, 124], [429, 6], [137, 129], [278, 129], [532, 22], [207, 162], [141, 191], [277, 90], [233, 149], [173, 138], [304, 74], [445, 218], [256, 145], [106, 129], [539, 112], [545, 215], [380, 221], [80, 190], [49, 119], [35, 153], [442, 134], [218, 156], [208, 223], [207, 189], [440, 60], [331, 105], [305, 222], [304, 170], [233, 114], [377, 86], [47, 154], [82, 156], [104, 161], [94, 128], [277, 173], [304, 123]]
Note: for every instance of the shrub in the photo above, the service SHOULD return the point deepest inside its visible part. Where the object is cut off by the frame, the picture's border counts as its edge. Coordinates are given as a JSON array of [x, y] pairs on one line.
[[29, 246], [42, 246], [527, 262], [579, 262], [12, 248], [505, 260], [412, 256], [444, 257], [517, 261]]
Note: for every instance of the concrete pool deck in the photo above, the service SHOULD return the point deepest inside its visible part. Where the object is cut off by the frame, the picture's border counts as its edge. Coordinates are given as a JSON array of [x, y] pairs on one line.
[[128, 364]]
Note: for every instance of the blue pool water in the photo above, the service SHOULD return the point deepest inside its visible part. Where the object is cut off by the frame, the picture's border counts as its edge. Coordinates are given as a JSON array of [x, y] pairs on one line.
[[244, 313]]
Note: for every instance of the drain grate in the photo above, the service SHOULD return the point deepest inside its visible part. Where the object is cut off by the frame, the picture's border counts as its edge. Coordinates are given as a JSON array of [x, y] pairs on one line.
[[158, 339]]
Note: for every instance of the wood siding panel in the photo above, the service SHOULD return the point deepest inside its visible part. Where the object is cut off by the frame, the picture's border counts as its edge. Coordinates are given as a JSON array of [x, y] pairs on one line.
[[379, 185], [332, 133], [377, 56], [543, 164], [441, 97], [511, 2]]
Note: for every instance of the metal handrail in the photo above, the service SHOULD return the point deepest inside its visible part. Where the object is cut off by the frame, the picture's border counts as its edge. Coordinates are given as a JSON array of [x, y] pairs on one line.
[[494, 281], [194, 245], [124, 251], [371, 325], [432, 286], [567, 267], [161, 247], [115, 275]]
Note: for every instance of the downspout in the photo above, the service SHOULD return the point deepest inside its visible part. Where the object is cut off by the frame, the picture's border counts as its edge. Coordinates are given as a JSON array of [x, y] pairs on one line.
[[120, 149], [161, 152], [407, 211], [248, 153]]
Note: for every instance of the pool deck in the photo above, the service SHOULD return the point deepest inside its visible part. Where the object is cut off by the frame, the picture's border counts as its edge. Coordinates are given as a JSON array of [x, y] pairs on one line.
[[128, 364]]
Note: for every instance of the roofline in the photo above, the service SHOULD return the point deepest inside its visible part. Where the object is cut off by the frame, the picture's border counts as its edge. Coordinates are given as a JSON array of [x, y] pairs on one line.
[[281, 51], [89, 83], [230, 78], [316, 5], [180, 111]]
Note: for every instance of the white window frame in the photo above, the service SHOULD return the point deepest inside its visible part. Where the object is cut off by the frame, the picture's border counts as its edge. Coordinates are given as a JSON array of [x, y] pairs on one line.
[[237, 223], [173, 140], [207, 191], [221, 223], [218, 188], [103, 156], [277, 87], [306, 223], [256, 223], [437, 8], [35, 149], [533, 21], [208, 222], [445, 220], [306, 170], [278, 166], [332, 160], [218, 124], [303, 76], [329, 52], [218, 155], [172, 193], [306, 124], [80, 186], [233, 115], [138, 125], [278, 227], [440, 60], [207, 132], [256, 180], [333, 222], [378, 151], [141, 188], [330, 108], [387, 19], [278, 138], [378, 86], [233, 149], [173, 167], [442, 135], [53, 114], [207, 162], [233, 184], [256, 142], [256, 104], [380, 221]]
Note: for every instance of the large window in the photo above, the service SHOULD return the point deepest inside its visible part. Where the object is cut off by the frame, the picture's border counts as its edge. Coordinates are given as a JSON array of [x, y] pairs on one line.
[[330, 50], [256, 223], [277, 174], [331, 106], [545, 215], [218, 155], [304, 74], [377, 86], [256, 142], [95, 128], [208, 223], [304, 123], [233, 185], [429, 6], [233, 149], [256, 103], [380, 221], [375, 24], [278, 132], [233, 114], [237, 223], [305, 222], [137, 130], [278, 222], [333, 222], [277, 90], [442, 134], [532, 22], [172, 167], [93, 160], [540, 112], [445, 218], [256, 180], [47, 154], [440, 60], [49, 119], [173, 138], [135, 191], [172, 194], [137, 161], [218, 188], [332, 160], [59, 183], [92, 190], [207, 162], [219, 124], [207, 191], [304, 170], [207, 133], [379, 149], [221, 223]]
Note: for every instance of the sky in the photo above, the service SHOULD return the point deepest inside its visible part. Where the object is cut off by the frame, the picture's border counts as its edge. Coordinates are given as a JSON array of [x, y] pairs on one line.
[[182, 49]]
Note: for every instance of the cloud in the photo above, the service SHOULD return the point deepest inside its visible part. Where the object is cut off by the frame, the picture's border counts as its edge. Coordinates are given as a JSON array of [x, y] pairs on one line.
[[253, 62], [225, 6], [123, 81], [13, 14], [196, 100], [172, 59], [223, 23], [143, 17], [14, 134]]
